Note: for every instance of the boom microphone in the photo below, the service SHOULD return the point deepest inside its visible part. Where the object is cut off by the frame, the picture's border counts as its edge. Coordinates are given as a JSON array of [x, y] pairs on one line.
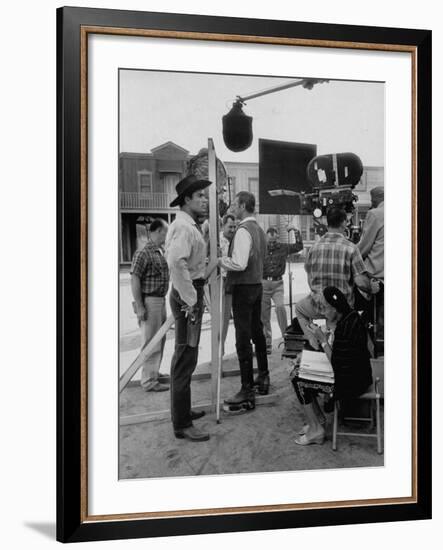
[[237, 128]]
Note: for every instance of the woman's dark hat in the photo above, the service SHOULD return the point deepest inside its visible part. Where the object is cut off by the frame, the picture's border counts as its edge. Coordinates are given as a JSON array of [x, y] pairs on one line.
[[187, 186], [336, 299]]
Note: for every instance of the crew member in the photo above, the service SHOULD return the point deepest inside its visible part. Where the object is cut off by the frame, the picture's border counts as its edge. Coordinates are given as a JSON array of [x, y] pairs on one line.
[[274, 267], [332, 261], [149, 284], [186, 256], [244, 265], [372, 241], [372, 248], [228, 230]]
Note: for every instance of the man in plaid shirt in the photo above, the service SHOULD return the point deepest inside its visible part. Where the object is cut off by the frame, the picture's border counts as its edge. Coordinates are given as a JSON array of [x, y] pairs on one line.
[[332, 261], [149, 284]]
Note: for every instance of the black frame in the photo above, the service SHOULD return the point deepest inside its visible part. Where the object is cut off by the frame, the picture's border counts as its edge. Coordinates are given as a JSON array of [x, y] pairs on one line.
[[71, 526]]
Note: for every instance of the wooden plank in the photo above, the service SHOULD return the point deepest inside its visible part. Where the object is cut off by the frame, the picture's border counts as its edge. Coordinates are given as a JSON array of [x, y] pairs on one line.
[[145, 353], [164, 414], [205, 406], [166, 379]]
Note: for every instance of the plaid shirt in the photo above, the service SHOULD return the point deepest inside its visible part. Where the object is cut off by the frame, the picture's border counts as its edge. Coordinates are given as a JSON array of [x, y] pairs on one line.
[[333, 261], [151, 267]]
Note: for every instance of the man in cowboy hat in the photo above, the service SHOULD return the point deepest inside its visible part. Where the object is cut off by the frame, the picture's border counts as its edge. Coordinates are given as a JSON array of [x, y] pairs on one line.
[[186, 257]]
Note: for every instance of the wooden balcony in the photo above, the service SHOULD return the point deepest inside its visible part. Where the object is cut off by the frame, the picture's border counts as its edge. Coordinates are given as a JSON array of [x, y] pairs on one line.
[[145, 201]]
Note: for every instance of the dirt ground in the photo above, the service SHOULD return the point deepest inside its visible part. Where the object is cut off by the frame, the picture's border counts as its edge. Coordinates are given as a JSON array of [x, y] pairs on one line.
[[258, 441]]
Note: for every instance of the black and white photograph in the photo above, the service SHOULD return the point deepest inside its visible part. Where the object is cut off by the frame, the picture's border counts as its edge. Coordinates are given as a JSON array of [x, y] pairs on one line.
[[229, 357], [198, 347], [251, 273]]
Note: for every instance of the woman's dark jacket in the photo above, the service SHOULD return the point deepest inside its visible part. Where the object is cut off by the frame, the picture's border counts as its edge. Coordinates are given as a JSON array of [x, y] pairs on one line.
[[350, 357]]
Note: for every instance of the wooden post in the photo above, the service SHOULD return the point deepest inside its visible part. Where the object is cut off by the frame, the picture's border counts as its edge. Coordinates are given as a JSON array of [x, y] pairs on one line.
[[214, 280], [146, 351]]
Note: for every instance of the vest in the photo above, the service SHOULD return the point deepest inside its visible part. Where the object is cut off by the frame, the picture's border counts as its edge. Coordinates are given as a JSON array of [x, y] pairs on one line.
[[253, 274]]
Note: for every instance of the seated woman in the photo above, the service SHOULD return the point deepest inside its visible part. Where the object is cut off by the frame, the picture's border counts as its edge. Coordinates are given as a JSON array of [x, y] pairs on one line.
[[350, 360]]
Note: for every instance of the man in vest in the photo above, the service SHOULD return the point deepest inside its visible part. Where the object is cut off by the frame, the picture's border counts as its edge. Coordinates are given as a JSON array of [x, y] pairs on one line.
[[244, 265]]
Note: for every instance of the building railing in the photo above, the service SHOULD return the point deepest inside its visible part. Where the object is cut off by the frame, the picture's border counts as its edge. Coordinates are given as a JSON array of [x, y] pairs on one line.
[[144, 201]]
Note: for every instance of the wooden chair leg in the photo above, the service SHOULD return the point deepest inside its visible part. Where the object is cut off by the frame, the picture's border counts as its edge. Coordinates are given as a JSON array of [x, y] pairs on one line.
[[372, 414], [334, 427], [378, 425]]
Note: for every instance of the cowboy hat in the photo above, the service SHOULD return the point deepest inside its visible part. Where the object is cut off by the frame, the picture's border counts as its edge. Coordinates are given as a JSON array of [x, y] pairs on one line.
[[187, 186]]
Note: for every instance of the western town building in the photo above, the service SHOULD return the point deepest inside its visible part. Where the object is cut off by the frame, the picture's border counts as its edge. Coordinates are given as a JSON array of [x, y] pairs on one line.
[[147, 186]]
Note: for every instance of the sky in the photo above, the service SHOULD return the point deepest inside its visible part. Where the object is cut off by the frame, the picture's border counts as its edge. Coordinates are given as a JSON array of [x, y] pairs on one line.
[[187, 109]]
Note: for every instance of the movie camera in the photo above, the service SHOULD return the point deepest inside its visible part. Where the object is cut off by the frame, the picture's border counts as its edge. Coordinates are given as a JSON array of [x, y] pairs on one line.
[[333, 178]]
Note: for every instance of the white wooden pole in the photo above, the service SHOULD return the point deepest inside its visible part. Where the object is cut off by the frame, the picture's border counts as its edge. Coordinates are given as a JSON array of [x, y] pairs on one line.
[[214, 280], [220, 352]]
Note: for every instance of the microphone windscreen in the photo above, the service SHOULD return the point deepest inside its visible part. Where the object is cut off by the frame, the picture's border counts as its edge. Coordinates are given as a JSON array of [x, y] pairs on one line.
[[237, 129]]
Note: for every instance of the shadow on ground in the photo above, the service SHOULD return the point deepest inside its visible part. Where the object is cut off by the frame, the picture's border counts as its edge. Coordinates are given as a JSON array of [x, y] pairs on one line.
[[46, 529], [258, 441]]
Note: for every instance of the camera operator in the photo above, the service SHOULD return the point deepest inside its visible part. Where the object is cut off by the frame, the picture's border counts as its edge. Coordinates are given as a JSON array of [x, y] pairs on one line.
[[332, 261], [372, 249], [372, 241]]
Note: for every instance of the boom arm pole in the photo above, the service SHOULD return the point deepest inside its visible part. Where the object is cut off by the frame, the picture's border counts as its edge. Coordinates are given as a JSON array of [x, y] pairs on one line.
[[305, 82]]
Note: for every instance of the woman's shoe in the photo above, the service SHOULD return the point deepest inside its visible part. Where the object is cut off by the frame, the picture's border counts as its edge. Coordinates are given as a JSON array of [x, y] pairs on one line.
[[305, 427], [304, 440]]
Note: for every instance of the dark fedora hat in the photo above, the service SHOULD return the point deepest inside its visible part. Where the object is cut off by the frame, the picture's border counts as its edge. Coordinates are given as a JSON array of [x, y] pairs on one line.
[[187, 186]]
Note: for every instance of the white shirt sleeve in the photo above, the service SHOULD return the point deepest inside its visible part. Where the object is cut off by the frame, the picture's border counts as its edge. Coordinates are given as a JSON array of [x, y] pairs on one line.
[[178, 253], [369, 234], [240, 252]]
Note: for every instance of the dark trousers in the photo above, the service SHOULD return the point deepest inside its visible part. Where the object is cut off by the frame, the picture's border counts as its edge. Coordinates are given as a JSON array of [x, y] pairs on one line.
[[246, 310], [373, 316], [184, 360]]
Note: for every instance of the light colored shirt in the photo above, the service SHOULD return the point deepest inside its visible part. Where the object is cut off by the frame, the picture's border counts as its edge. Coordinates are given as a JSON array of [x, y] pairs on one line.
[[186, 255], [372, 242], [224, 249], [241, 249]]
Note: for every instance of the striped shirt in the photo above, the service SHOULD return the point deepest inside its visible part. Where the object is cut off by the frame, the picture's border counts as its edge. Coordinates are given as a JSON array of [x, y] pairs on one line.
[[150, 266], [333, 261]]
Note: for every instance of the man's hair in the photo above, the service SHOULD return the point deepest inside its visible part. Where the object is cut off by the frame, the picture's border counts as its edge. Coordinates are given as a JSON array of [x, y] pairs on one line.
[[378, 193], [227, 217], [335, 217], [272, 230], [157, 224], [248, 199]]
